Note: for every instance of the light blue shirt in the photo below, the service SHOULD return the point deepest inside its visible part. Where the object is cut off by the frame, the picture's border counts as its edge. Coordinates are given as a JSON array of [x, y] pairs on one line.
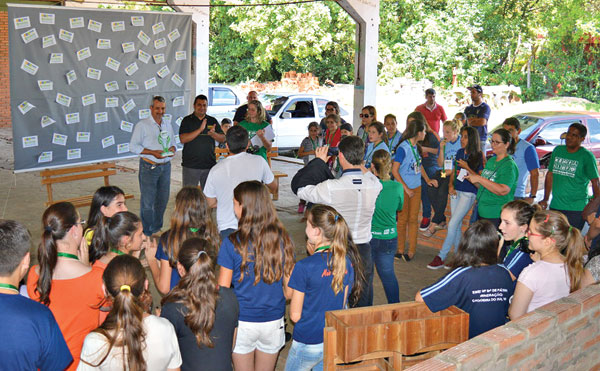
[[370, 151], [450, 151], [145, 135], [527, 159], [410, 169]]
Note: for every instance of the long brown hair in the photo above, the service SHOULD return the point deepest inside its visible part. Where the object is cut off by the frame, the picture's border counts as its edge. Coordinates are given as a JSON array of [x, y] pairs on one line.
[[57, 220], [198, 290], [109, 231], [382, 162], [124, 278], [191, 218], [568, 240], [272, 248]]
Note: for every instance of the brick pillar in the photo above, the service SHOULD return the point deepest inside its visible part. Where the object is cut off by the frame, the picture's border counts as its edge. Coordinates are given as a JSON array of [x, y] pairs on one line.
[[4, 72]]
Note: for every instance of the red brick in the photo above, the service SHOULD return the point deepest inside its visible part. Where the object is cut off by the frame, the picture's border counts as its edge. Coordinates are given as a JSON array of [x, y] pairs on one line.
[[470, 353], [591, 343], [534, 323], [578, 324], [530, 365], [505, 337], [432, 364], [566, 358], [563, 310], [589, 297], [596, 367], [520, 355]]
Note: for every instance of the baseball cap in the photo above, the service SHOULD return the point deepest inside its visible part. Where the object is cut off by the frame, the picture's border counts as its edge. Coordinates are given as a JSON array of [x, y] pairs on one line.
[[477, 87]]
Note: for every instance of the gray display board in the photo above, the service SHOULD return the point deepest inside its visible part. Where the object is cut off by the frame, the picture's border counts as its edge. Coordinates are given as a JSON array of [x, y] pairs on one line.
[[80, 79]]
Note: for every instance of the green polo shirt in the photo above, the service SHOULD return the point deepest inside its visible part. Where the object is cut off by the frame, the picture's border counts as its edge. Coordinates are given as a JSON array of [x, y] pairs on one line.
[[504, 172], [389, 201]]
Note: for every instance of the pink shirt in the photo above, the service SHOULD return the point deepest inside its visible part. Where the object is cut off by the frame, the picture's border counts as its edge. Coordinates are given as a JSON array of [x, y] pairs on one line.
[[433, 116], [548, 281]]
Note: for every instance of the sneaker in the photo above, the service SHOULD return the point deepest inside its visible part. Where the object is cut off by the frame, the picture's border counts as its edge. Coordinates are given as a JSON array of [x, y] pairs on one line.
[[398, 256], [424, 224], [447, 267], [441, 226], [429, 232], [301, 208], [406, 258], [436, 263]]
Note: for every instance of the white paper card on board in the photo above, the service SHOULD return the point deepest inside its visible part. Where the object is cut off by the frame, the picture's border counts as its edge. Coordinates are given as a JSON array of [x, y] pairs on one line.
[[48, 41], [66, 35], [174, 35], [163, 72], [76, 22], [22, 22], [150, 83], [71, 76], [167, 118], [131, 69], [111, 102], [159, 58], [180, 55], [177, 140], [178, 121], [143, 56], [177, 80], [131, 85], [158, 28], [45, 157], [128, 106], [113, 64], [144, 113], [47, 18], [93, 73], [45, 85], [103, 44], [86, 100], [178, 101], [46, 121], [117, 26], [126, 126], [25, 107], [122, 148], [59, 139], [31, 141], [160, 43], [72, 118], [83, 136], [84, 53], [111, 86], [137, 21], [29, 67], [56, 58], [128, 47], [100, 117], [63, 100], [73, 153], [94, 26], [145, 39], [108, 141], [29, 36]]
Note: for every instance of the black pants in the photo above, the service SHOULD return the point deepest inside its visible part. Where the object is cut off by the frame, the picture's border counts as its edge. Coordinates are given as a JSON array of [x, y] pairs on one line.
[[574, 217], [366, 296], [438, 196]]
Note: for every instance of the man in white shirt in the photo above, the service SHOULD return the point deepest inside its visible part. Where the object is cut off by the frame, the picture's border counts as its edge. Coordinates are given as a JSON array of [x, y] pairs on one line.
[[353, 195], [229, 172], [154, 141]]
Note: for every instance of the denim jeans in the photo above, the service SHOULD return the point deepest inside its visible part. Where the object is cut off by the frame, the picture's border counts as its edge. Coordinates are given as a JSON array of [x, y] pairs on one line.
[[224, 234], [425, 199], [155, 183], [460, 206], [304, 357], [366, 297], [438, 196], [383, 252]]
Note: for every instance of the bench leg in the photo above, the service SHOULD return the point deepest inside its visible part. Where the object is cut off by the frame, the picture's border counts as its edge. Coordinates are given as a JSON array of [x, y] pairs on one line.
[[276, 194]]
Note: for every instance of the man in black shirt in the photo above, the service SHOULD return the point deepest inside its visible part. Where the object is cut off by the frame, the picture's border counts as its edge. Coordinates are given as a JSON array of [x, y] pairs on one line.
[[198, 133], [240, 113]]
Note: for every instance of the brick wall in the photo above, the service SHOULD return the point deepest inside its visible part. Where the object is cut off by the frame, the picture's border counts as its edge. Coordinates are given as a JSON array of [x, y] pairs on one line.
[[561, 335], [4, 72]]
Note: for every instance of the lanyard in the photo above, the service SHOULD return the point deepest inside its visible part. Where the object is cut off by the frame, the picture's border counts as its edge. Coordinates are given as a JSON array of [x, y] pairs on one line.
[[118, 252], [392, 138], [329, 139], [67, 255], [417, 158], [322, 248], [514, 245], [369, 154], [8, 286], [315, 145]]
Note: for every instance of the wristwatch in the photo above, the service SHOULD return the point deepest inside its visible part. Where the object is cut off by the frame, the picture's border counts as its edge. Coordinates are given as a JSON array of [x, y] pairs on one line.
[[531, 196]]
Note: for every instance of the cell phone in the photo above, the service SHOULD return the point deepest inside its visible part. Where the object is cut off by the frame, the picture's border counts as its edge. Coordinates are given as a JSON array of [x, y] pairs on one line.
[[333, 151]]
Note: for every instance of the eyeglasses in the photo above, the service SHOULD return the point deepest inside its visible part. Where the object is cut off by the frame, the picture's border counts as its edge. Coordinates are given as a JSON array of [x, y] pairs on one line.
[[364, 115], [496, 142], [529, 233]]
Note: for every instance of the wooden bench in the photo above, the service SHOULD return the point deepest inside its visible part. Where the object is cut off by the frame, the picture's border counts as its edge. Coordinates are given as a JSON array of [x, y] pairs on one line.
[[71, 174]]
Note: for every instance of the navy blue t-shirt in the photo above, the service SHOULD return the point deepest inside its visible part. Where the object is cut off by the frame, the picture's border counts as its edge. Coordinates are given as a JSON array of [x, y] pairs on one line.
[[260, 302], [31, 337], [482, 292], [311, 276], [516, 261], [465, 185], [430, 159], [481, 111], [161, 255]]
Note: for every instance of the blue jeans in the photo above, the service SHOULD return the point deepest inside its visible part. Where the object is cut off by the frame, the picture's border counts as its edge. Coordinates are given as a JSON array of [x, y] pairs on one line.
[[224, 234], [304, 357], [383, 252], [424, 194], [460, 206], [366, 297], [155, 183]]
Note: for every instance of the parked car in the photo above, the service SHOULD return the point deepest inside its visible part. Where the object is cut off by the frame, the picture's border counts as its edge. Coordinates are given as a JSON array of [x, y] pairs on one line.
[[291, 114], [223, 100], [545, 131]]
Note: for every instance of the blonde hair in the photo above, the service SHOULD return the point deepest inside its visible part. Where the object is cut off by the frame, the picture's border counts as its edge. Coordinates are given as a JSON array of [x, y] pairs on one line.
[[382, 162], [454, 124], [261, 113]]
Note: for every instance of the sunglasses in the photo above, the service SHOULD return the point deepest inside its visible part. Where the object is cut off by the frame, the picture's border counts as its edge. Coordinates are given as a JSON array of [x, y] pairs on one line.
[[364, 115]]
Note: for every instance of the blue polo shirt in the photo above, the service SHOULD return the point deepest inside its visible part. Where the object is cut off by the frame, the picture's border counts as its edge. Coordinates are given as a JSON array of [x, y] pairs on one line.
[[527, 159], [481, 111], [409, 160]]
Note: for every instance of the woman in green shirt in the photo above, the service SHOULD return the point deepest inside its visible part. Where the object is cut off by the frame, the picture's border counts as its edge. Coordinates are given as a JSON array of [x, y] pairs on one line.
[[498, 180], [260, 131]]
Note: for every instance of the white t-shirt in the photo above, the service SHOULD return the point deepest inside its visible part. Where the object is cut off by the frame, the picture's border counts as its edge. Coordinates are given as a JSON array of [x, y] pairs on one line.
[[548, 281], [161, 351], [228, 174]]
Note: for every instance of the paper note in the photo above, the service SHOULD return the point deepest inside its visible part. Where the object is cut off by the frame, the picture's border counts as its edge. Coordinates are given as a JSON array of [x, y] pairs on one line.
[[31, 141], [177, 140], [128, 106], [178, 101], [93, 73], [158, 28], [131, 69], [178, 121], [48, 41], [123, 148], [66, 35], [111, 86], [150, 83], [143, 56], [47, 18], [72, 118], [177, 80], [56, 58], [131, 85], [117, 26], [63, 100], [461, 175], [108, 141], [159, 58], [22, 22], [29, 67], [25, 107], [45, 85], [74, 153], [76, 22], [180, 55], [46, 121], [163, 72], [29, 36], [103, 44], [145, 39], [126, 126], [174, 35], [84, 54], [143, 113], [167, 118], [94, 26], [83, 136], [137, 21], [71, 76], [128, 47], [100, 117], [113, 64], [59, 139], [86, 100], [160, 43], [45, 157], [111, 102]]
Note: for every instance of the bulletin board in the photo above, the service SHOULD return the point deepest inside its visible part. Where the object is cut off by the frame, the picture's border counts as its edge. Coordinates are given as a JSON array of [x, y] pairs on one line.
[[80, 79]]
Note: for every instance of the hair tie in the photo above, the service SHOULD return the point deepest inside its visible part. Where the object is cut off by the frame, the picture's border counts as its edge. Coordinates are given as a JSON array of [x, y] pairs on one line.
[[125, 288], [547, 218], [200, 253], [48, 229], [194, 230], [570, 228], [336, 218]]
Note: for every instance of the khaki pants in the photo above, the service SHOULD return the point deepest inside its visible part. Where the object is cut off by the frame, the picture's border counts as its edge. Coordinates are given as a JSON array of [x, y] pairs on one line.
[[408, 222]]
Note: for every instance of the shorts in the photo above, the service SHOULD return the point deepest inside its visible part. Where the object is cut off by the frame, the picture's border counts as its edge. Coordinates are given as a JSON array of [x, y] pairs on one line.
[[267, 337]]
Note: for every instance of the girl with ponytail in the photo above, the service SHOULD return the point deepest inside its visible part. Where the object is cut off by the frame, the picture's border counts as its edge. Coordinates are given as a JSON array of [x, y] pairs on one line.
[[321, 282], [258, 258], [204, 314], [129, 339], [554, 274], [119, 234], [63, 280], [106, 202]]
